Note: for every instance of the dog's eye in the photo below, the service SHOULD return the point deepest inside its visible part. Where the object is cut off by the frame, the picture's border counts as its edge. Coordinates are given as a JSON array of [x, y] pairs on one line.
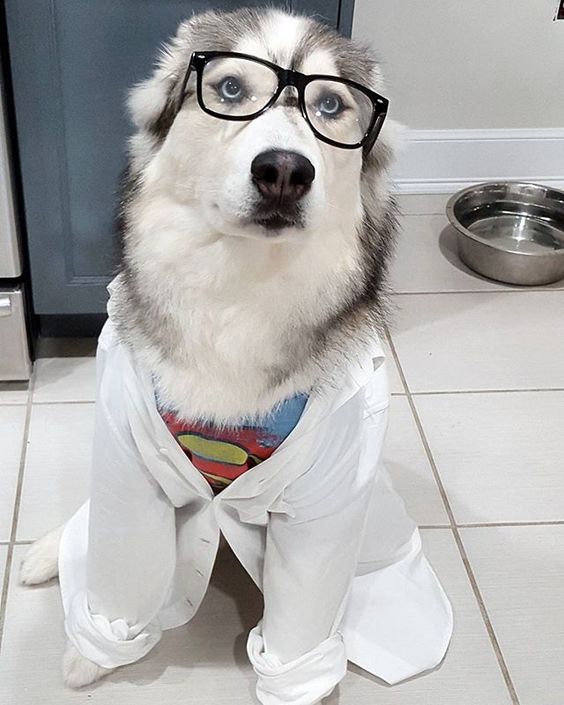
[[330, 105], [231, 90]]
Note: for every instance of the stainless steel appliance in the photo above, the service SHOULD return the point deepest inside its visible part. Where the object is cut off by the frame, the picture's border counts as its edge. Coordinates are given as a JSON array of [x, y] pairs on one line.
[[15, 361]]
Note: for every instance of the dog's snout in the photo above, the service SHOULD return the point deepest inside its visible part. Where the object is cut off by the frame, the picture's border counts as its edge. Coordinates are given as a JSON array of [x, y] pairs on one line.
[[282, 177]]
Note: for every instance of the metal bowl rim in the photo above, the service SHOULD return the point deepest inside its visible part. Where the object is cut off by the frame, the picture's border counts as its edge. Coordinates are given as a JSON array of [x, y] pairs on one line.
[[472, 236]]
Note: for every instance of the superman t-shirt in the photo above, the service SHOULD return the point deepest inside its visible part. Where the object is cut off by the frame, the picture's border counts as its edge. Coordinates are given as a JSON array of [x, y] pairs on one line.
[[221, 453]]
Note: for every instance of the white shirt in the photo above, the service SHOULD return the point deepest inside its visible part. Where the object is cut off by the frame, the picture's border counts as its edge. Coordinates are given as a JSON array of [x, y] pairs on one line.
[[317, 526]]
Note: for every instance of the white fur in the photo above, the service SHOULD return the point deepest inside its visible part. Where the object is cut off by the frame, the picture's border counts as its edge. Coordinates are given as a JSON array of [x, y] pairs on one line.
[[79, 671], [237, 291], [282, 32], [41, 562]]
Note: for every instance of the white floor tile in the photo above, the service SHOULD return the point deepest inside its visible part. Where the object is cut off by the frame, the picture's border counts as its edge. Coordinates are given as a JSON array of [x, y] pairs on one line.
[[407, 463], [427, 259], [13, 392], [57, 470], [12, 423], [469, 674], [204, 663], [520, 572], [483, 341], [65, 379], [500, 456]]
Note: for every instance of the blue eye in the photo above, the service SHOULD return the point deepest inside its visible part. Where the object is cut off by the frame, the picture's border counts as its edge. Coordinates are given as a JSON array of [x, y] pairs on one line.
[[330, 105], [231, 90]]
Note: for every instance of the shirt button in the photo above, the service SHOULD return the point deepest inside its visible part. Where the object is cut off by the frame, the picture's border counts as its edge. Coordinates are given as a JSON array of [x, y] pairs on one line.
[[163, 451]]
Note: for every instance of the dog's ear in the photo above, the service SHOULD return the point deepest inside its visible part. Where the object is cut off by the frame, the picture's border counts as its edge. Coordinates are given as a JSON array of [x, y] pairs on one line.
[[390, 142], [392, 135], [153, 103]]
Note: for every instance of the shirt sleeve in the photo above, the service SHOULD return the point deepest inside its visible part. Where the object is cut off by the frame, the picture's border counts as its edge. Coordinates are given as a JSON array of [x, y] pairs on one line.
[[118, 576], [310, 561]]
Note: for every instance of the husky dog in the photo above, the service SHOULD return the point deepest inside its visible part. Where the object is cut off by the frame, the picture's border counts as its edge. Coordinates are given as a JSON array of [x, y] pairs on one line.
[[254, 250], [237, 296]]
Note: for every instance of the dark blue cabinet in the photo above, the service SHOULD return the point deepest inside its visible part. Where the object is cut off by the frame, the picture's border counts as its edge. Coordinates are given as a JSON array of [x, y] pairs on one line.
[[71, 62]]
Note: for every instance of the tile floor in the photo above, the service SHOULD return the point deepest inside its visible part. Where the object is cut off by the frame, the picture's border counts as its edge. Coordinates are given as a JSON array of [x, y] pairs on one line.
[[476, 447]]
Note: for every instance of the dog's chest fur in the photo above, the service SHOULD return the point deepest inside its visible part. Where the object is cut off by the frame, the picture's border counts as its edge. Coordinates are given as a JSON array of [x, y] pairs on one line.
[[230, 327]]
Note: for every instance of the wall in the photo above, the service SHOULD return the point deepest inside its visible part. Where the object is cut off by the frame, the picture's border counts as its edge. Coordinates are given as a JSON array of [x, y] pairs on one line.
[[479, 83]]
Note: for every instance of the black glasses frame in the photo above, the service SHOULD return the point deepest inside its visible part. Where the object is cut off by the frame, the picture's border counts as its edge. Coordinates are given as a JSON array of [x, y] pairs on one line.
[[287, 77]]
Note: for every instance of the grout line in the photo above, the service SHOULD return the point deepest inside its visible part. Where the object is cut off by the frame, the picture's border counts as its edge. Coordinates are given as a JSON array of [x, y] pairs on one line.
[[423, 527], [486, 618], [477, 291], [456, 533], [69, 401], [25, 542], [488, 391], [399, 368], [495, 524], [16, 509]]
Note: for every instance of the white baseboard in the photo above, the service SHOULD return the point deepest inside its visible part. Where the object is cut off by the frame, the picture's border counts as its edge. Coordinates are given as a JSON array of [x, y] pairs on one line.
[[444, 161]]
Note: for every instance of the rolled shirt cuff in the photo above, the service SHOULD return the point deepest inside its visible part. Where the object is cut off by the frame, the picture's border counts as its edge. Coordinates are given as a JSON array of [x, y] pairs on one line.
[[107, 644], [304, 681]]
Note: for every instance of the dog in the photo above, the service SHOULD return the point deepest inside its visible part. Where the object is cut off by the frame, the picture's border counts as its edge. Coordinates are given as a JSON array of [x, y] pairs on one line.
[[257, 222]]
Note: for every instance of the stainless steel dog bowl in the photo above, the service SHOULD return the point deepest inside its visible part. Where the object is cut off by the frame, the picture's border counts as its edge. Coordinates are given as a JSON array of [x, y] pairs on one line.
[[511, 232]]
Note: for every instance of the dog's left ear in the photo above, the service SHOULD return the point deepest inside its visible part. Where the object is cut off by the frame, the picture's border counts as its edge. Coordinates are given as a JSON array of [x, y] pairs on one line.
[[392, 135], [391, 140]]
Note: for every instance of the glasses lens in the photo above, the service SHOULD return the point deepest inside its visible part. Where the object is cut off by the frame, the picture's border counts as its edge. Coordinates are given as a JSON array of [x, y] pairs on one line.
[[338, 111], [237, 87]]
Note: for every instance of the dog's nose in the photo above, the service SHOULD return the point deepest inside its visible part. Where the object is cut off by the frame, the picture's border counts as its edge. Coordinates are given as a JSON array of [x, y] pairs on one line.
[[282, 177]]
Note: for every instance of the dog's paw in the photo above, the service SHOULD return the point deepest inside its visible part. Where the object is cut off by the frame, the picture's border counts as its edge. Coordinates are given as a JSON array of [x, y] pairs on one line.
[[41, 562], [79, 671]]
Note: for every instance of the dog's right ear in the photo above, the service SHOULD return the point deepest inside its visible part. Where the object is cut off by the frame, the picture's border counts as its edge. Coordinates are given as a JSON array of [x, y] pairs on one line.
[[153, 103]]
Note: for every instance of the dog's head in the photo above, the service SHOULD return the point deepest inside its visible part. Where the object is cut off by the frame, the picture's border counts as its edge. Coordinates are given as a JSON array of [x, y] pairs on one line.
[[269, 177]]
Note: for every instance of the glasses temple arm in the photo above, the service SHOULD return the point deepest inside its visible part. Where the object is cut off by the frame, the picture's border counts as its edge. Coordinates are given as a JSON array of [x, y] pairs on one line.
[[374, 133]]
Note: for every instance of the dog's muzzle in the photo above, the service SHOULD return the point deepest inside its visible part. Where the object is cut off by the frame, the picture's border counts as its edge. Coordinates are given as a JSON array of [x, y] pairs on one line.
[[282, 179]]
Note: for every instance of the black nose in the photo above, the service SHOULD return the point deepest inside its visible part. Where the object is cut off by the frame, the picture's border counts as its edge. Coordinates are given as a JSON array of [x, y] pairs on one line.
[[282, 177]]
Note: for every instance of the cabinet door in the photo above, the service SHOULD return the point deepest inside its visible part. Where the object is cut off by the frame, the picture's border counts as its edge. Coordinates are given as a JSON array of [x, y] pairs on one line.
[[71, 63]]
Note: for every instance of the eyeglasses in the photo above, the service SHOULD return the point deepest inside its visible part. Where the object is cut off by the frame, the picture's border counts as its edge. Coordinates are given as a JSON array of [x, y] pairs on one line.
[[234, 86]]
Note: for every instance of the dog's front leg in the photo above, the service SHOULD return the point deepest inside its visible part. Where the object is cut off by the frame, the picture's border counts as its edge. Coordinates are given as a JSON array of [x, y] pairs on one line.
[[40, 565], [310, 561], [79, 671], [117, 560]]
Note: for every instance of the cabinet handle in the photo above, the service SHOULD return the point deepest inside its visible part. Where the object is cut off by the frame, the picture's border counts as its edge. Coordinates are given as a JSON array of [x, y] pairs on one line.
[[5, 306]]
